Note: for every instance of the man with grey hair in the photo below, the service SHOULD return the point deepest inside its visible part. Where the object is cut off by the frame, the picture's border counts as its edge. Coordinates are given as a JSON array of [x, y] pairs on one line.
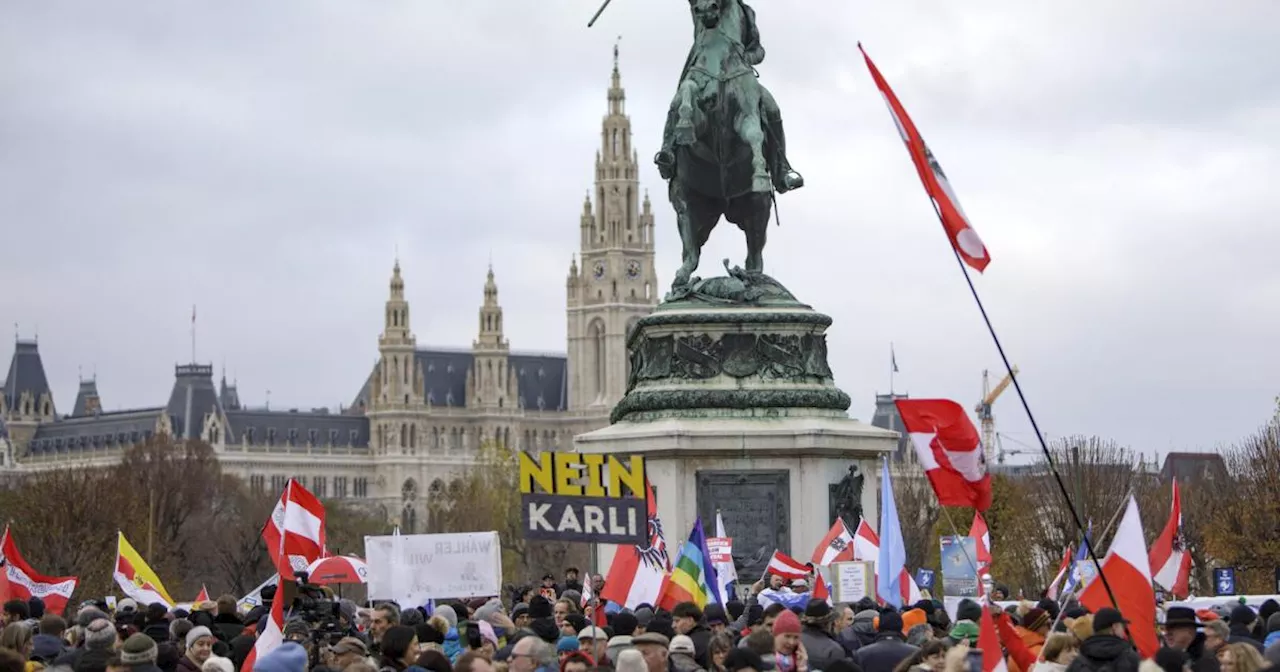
[[531, 654]]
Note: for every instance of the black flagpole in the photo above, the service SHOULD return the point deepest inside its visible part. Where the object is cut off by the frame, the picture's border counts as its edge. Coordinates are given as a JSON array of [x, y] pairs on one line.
[[1053, 467]]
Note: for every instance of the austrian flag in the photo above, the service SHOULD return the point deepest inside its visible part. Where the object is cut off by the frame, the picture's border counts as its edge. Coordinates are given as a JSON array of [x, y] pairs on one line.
[[947, 445], [963, 238]]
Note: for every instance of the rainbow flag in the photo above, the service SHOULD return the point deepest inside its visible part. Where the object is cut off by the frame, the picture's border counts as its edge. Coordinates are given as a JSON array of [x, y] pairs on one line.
[[693, 576]]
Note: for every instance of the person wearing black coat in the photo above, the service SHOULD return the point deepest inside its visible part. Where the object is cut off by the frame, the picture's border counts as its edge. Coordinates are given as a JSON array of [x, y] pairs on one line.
[[1181, 632], [889, 648], [1107, 649], [1241, 623]]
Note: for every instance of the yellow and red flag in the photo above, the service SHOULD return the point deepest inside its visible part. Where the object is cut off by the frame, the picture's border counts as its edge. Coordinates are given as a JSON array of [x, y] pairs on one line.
[[136, 579]]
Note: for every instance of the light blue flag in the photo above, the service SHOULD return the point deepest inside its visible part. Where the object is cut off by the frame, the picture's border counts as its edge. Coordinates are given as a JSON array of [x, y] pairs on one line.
[[893, 553]]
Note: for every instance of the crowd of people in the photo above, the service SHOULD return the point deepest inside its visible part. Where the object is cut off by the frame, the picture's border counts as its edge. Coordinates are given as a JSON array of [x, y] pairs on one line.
[[550, 627]]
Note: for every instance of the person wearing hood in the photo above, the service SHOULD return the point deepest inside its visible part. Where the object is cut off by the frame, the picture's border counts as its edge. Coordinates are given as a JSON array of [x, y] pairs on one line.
[[452, 644], [288, 657], [863, 631], [1271, 644], [1181, 631], [1108, 648], [47, 646], [817, 634], [889, 648], [1241, 627]]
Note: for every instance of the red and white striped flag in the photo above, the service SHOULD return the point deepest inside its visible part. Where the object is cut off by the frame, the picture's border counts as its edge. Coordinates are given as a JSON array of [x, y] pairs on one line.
[[989, 644], [947, 445], [1128, 572], [272, 635], [787, 567], [982, 541], [866, 546], [1063, 569], [837, 546], [963, 238], [294, 534], [22, 582], [1170, 561]]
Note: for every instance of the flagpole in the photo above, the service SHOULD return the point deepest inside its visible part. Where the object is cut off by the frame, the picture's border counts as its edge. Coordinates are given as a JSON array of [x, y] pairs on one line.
[[972, 562], [1044, 447], [893, 367]]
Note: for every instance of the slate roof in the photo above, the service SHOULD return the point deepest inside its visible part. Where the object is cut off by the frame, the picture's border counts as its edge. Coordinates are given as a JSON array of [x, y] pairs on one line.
[[293, 428], [228, 395], [193, 397], [886, 417], [26, 374], [88, 390], [101, 431], [542, 380]]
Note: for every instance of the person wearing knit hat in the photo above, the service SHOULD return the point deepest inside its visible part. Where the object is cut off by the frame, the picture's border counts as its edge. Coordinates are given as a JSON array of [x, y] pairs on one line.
[[964, 631], [911, 618], [218, 664], [288, 657], [89, 614], [786, 640], [100, 635], [296, 630], [139, 651], [199, 647], [1033, 628]]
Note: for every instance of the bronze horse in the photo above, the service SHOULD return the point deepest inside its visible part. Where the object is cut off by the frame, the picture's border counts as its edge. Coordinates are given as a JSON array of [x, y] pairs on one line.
[[723, 149]]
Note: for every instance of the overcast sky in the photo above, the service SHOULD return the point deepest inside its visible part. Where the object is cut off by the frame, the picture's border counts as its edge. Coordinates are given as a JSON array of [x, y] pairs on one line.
[[265, 161]]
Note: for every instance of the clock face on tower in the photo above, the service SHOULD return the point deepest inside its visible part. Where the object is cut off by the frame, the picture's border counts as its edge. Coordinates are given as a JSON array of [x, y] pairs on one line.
[[633, 269], [598, 270]]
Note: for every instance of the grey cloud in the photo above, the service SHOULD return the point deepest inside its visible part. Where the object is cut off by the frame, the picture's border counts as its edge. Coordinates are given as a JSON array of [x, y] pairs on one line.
[[266, 160]]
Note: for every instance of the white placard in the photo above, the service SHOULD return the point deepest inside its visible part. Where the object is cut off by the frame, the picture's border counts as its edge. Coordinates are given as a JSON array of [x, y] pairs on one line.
[[413, 568], [853, 581]]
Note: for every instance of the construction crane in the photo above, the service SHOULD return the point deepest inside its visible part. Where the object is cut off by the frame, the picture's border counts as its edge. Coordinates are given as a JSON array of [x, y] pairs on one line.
[[983, 409]]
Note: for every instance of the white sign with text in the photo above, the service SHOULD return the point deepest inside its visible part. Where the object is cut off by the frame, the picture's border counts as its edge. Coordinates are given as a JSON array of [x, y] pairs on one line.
[[413, 568]]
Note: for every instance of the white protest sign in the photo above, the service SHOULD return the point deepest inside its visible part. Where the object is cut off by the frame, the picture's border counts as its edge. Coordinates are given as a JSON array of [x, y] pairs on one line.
[[411, 569], [853, 581]]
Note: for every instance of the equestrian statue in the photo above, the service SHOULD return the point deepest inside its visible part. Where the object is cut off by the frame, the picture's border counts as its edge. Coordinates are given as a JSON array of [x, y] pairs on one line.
[[723, 148]]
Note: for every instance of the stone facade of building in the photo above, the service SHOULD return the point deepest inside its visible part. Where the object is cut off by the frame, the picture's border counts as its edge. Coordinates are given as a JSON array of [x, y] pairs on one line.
[[419, 419]]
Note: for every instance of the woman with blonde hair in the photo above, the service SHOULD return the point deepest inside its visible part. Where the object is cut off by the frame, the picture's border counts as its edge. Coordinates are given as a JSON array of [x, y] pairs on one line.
[[1231, 658], [17, 638], [1058, 652]]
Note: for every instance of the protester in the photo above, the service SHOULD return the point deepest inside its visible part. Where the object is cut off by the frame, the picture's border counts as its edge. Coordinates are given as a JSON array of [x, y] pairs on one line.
[[889, 648], [1107, 649]]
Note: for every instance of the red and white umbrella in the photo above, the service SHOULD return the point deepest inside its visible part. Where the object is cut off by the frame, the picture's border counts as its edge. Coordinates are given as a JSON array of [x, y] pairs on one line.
[[338, 569]]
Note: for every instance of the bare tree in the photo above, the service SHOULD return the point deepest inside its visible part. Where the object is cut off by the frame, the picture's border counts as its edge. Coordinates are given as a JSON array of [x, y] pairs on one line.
[[1243, 515], [488, 498], [64, 522]]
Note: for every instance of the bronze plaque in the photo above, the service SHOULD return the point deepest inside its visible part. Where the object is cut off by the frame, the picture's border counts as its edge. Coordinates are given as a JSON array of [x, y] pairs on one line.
[[756, 508]]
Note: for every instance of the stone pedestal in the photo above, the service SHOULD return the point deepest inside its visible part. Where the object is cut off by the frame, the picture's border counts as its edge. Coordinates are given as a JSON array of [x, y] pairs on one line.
[[733, 405]]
